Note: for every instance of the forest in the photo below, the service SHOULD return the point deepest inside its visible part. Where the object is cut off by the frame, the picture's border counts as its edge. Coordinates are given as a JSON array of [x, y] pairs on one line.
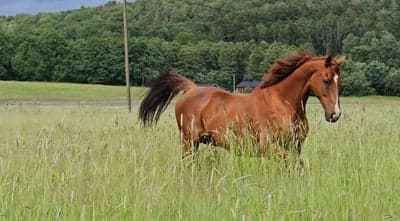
[[206, 40]]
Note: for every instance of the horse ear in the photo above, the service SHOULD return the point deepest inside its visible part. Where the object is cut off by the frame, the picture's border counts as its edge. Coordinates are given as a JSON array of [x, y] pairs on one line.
[[341, 60], [328, 61]]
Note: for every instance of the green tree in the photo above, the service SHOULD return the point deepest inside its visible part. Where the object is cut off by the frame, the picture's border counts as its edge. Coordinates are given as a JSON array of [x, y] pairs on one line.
[[354, 81], [201, 39], [228, 64], [220, 77], [263, 56], [255, 69], [75, 67], [376, 73], [386, 49], [146, 61], [382, 47], [28, 63], [170, 52], [392, 82], [6, 72], [52, 48], [197, 60], [185, 38], [95, 60]]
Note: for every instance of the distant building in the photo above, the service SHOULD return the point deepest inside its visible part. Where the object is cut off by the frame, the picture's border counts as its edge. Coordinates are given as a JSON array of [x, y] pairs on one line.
[[242, 86]]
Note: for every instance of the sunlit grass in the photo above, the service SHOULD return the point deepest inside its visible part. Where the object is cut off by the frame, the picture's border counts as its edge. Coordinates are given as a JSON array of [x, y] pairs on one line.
[[43, 91], [97, 163]]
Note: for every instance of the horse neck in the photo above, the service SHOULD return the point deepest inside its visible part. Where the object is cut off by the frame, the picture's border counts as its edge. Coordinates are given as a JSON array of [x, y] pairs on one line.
[[294, 89]]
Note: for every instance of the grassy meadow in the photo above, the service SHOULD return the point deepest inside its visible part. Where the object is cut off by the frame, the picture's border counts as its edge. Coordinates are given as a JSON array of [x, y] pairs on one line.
[[68, 160], [13, 92]]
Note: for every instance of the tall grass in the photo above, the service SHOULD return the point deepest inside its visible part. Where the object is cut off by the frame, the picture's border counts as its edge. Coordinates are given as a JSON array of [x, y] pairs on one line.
[[97, 163]]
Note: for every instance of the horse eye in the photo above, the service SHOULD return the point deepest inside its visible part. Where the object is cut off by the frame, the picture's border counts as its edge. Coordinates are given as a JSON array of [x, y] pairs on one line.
[[327, 81]]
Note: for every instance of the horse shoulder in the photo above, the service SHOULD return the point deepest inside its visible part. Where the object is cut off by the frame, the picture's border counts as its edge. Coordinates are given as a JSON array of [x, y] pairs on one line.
[[262, 108]]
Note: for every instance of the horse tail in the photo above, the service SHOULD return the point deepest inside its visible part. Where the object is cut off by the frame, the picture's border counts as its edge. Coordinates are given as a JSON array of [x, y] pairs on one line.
[[163, 90]]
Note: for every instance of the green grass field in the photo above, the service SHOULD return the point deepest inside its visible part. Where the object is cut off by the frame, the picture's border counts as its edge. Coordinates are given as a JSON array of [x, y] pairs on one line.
[[95, 162], [52, 93]]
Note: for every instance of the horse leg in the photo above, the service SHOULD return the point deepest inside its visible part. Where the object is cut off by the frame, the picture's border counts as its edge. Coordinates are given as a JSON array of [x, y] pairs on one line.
[[269, 147], [263, 144], [301, 137], [189, 147], [299, 161], [291, 156], [190, 141], [185, 136]]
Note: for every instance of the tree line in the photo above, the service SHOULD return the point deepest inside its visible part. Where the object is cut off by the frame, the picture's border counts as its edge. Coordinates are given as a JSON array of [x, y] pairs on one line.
[[208, 41]]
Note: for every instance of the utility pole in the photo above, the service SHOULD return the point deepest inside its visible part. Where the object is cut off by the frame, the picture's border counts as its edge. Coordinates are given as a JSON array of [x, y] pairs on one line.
[[234, 83], [128, 87]]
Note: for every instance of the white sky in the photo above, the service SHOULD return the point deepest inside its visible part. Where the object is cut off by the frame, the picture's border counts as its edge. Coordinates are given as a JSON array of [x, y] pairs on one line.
[[13, 7]]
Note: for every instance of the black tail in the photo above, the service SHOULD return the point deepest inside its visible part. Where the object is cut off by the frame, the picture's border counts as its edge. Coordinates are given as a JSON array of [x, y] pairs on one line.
[[163, 90]]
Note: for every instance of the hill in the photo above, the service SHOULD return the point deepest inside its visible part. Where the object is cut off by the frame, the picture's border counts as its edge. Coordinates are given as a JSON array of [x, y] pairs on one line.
[[206, 40]]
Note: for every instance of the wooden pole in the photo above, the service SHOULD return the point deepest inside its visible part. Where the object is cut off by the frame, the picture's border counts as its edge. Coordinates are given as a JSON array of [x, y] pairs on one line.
[[128, 88], [234, 83]]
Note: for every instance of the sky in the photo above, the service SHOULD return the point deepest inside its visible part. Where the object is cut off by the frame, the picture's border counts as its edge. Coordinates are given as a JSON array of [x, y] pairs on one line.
[[13, 7]]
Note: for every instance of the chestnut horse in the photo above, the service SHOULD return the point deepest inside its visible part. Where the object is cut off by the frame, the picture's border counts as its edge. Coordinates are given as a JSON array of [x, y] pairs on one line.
[[274, 113]]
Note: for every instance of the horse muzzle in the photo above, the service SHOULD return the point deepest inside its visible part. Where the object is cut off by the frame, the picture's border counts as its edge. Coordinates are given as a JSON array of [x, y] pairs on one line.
[[332, 116]]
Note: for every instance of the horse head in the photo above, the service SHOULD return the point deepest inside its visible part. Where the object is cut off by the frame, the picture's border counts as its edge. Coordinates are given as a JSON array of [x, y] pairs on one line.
[[325, 84]]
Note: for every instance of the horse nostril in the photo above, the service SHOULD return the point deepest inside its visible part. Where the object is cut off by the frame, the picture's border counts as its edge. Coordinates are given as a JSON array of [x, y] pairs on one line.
[[332, 116]]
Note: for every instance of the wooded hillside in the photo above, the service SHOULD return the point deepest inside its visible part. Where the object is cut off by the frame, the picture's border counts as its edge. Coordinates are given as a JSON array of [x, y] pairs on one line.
[[207, 40]]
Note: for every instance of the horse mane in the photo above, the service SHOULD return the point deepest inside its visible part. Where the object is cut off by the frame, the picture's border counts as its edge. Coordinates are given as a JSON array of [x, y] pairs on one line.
[[284, 67]]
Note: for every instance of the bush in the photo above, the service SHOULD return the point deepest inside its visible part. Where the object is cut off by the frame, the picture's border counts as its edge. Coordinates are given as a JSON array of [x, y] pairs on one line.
[[376, 73], [392, 82], [354, 80]]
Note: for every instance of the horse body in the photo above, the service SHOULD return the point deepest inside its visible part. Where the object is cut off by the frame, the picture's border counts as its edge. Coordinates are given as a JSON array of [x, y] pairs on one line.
[[274, 113], [210, 112]]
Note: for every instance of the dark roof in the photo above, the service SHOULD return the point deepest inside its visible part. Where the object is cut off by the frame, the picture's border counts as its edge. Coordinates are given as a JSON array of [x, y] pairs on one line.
[[251, 84], [207, 85]]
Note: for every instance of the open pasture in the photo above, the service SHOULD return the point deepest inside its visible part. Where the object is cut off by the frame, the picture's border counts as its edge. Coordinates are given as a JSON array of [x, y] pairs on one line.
[[95, 162]]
